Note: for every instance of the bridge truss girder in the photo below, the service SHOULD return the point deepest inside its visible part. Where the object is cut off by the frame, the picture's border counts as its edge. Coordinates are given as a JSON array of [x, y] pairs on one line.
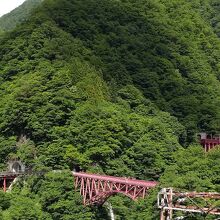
[[169, 201], [96, 189]]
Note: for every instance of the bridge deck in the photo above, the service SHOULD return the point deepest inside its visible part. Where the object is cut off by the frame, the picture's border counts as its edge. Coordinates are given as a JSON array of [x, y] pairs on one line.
[[122, 180]]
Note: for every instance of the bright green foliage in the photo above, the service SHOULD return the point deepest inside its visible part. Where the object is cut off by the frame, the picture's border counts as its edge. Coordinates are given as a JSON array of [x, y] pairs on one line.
[[43, 197], [108, 86], [60, 200], [191, 170], [23, 208], [120, 141]]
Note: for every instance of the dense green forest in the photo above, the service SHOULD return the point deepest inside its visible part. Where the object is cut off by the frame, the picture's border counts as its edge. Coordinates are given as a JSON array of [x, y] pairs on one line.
[[116, 87]]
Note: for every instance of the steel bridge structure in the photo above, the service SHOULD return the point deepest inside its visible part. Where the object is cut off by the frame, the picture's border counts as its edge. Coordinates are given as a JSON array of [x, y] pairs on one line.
[[170, 200], [6, 178], [96, 189]]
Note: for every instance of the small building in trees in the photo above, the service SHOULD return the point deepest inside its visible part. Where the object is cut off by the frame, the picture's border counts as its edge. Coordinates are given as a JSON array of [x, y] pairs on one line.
[[209, 141]]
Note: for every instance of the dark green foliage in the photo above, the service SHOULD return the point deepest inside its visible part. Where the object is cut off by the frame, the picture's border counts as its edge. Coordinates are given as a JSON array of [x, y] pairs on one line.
[[144, 45], [106, 86], [4, 201], [215, 19]]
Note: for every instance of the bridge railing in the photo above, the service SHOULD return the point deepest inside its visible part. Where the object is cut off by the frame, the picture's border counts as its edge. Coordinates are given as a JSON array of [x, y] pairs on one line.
[[121, 180]]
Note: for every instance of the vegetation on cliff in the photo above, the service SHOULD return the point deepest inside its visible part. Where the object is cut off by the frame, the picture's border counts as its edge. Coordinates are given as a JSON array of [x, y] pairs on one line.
[[108, 86]]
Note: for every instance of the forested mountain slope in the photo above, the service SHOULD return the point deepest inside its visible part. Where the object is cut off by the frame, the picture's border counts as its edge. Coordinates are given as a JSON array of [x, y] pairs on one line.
[[18, 15], [157, 46], [209, 10], [108, 86], [215, 17]]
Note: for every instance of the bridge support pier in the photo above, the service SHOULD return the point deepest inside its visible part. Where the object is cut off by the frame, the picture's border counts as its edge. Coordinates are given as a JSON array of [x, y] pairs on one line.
[[4, 184]]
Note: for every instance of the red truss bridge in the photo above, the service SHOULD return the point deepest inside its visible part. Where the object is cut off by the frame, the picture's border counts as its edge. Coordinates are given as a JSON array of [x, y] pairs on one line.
[[96, 189]]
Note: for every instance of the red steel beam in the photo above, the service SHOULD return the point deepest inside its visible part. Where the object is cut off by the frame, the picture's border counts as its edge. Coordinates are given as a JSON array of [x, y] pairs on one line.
[[7, 177], [4, 184], [122, 180]]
